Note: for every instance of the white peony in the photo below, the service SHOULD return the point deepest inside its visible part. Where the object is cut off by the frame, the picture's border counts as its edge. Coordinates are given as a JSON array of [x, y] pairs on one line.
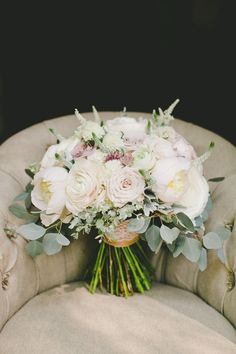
[[133, 130], [63, 149], [48, 193], [143, 159], [83, 185], [178, 181], [87, 128], [113, 141], [124, 186]]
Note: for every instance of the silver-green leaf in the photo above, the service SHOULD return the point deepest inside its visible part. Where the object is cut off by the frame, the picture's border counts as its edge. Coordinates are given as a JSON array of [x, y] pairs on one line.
[[212, 241], [192, 249], [185, 221], [179, 246], [34, 248], [202, 262], [153, 238], [169, 235], [223, 232], [20, 212], [62, 240], [221, 255], [31, 231], [50, 244], [135, 225]]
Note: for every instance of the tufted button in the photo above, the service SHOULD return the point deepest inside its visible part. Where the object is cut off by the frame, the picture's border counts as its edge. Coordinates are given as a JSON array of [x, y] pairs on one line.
[[5, 280], [230, 281], [10, 233]]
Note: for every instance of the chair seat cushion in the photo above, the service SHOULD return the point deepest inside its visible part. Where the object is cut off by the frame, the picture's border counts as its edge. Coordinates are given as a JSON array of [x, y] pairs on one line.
[[69, 320]]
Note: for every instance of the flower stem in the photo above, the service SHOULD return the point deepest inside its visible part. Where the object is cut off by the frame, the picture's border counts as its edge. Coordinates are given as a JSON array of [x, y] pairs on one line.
[[126, 291], [132, 267]]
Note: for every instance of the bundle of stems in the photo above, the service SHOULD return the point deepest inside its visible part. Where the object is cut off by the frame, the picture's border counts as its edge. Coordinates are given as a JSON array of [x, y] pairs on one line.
[[121, 270]]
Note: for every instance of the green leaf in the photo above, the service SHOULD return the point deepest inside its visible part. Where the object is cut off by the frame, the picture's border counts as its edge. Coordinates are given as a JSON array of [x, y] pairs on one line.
[[202, 262], [192, 249], [223, 232], [145, 226], [198, 222], [179, 246], [136, 224], [204, 215], [153, 238], [212, 241], [29, 187], [171, 247], [21, 196], [185, 221], [20, 212], [34, 248], [169, 235], [221, 255], [209, 205], [62, 240], [29, 173], [50, 244], [216, 179], [31, 231]]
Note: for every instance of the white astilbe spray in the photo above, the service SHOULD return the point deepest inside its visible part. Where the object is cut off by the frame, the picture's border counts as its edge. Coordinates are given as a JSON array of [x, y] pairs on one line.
[[165, 117]]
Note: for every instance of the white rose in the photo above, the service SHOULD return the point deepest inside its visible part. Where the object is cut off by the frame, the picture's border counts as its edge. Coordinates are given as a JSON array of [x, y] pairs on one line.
[[161, 148], [178, 181], [133, 130], [83, 185], [183, 148], [87, 129], [113, 141], [143, 159], [124, 186], [64, 149], [48, 193]]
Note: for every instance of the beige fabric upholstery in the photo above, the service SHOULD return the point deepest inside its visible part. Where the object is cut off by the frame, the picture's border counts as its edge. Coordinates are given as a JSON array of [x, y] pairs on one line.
[[68, 320], [23, 277]]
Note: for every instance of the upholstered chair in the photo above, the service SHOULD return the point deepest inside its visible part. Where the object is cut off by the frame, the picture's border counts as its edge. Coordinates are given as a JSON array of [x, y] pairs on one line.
[[45, 306]]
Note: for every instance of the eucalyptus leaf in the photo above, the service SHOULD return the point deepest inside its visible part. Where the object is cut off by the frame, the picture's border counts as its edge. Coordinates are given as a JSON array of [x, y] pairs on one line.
[[179, 246], [136, 224], [50, 244], [31, 231], [223, 232], [20, 212], [153, 238], [198, 222], [62, 240], [209, 205], [221, 255], [34, 248], [145, 226], [185, 221], [216, 179], [192, 249], [169, 235], [171, 247], [205, 215], [212, 241], [21, 196], [202, 262]]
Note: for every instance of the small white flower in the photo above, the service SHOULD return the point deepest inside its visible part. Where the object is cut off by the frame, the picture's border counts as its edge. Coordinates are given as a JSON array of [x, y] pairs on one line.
[[143, 159], [97, 156], [48, 193], [125, 186], [113, 141]]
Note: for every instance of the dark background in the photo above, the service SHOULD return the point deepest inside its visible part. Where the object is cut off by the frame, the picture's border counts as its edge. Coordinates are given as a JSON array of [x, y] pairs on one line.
[[75, 54]]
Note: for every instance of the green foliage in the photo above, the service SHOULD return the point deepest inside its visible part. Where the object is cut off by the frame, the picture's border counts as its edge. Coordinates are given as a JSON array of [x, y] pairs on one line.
[[221, 255], [216, 179], [62, 240], [50, 244], [212, 241], [184, 221], [192, 249], [223, 232], [169, 235], [179, 246], [21, 212], [34, 248], [138, 225], [202, 262], [31, 231], [153, 238]]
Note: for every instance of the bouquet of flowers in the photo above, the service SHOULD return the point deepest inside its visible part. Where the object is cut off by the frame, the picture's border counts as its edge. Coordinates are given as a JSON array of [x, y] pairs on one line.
[[125, 182]]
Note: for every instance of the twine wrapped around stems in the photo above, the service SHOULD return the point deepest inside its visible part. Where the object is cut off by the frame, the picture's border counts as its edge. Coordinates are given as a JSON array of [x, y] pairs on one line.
[[121, 236]]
